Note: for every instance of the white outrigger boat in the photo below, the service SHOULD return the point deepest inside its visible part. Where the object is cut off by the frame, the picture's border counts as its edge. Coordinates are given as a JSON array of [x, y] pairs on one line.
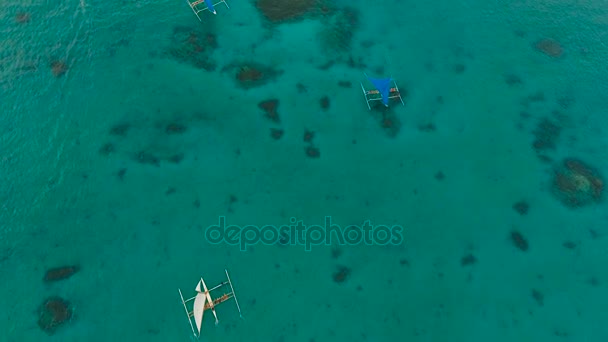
[[203, 302]]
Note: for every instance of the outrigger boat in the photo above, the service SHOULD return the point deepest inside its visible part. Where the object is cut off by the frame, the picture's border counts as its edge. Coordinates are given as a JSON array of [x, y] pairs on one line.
[[208, 6], [204, 302], [386, 89]]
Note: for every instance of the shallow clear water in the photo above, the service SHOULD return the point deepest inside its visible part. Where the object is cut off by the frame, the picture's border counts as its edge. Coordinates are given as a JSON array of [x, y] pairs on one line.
[[125, 134]]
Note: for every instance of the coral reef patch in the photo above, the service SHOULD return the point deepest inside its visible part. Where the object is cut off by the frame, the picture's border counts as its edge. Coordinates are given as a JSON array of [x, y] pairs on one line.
[[58, 68], [341, 274], [120, 129], [146, 158], [270, 108], [60, 273], [312, 152], [521, 207], [193, 46], [107, 149], [251, 75], [576, 184], [324, 102], [549, 47], [388, 121], [519, 241], [22, 18], [53, 313], [338, 30], [277, 11], [276, 133], [546, 135]]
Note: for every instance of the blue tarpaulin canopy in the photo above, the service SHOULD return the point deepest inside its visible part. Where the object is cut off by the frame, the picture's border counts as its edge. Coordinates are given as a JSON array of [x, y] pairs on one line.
[[209, 4], [383, 85]]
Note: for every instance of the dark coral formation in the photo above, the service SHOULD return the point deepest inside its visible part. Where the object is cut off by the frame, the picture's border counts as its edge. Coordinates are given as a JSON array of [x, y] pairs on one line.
[[193, 46], [313, 152], [175, 158], [276, 133], [60, 273], [301, 88], [327, 65], [120, 174], [336, 252], [146, 158], [341, 274], [308, 136], [107, 149], [58, 68], [459, 68], [519, 241], [53, 313], [251, 75], [358, 63], [277, 11], [512, 80], [175, 128], [338, 30], [389, 122], [468, 259], [22, 18], [324, 102], [391, 125], [546, 135], [538, 297], [429, 127], [534, 98], [120, 129], [577, 184], [270, 109], [521, 207], [549, 47]]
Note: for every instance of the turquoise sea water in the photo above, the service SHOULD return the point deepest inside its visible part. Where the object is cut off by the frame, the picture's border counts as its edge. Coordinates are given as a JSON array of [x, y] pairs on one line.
[[145, 137]]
